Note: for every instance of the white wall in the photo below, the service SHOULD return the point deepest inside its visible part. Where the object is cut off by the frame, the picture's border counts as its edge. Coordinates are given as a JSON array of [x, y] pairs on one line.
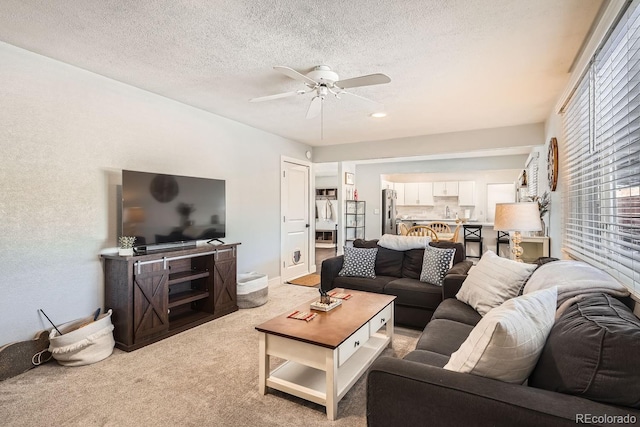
[[485, 170], [65, 135], [554, 218], [327, 181], [528, 135]]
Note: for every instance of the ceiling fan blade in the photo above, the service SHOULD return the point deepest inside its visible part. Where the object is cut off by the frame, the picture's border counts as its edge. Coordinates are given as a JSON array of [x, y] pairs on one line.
[[315, 107], [370, 80], [277, 96], [378, 104], [290, 72]]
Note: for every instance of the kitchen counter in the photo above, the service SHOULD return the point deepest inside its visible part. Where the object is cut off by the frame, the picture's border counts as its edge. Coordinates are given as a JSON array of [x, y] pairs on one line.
[[449, 221]]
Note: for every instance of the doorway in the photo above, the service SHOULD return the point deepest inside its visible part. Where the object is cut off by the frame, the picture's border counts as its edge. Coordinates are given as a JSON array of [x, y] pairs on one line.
[[296, 249]]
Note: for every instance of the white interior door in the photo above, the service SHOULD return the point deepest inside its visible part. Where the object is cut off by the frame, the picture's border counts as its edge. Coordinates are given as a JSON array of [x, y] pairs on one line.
[[295, 220]]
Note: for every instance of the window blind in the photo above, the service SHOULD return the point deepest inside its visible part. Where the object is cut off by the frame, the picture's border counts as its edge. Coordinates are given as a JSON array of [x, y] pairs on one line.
[[601, 157], [532, 175]]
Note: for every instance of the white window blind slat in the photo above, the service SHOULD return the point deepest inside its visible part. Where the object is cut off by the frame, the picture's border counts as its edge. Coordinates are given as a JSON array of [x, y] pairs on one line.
[[601, 157]]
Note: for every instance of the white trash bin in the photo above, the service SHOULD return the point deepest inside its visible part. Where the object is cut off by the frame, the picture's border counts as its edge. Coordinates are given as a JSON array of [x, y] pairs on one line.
[[253, 289]]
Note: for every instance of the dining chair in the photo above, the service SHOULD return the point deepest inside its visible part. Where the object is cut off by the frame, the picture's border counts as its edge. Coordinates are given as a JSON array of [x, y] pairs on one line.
[[423, 230], [439, 227], [404, 230], [456, 233]]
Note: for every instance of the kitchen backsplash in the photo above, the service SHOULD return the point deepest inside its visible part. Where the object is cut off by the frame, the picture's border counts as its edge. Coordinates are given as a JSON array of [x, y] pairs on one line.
[[437, 211]]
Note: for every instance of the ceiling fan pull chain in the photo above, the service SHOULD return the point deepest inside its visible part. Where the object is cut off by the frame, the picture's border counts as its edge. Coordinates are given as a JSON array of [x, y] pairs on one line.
[[322, 119]]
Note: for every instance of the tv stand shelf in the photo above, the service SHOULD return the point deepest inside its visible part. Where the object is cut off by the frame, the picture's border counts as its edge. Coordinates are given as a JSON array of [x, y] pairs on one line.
[[186, 275], [156, 295], [186, 297]]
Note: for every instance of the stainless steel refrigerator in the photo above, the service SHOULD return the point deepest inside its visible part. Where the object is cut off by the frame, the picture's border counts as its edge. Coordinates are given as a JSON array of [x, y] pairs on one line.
[[389, 211]]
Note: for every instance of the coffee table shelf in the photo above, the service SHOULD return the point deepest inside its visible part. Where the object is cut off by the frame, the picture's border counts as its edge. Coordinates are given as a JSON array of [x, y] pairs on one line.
[[310, 383], [325, 357]]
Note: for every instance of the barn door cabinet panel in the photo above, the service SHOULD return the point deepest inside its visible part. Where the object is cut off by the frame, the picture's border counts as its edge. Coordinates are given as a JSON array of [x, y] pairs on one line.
[[157, 295]]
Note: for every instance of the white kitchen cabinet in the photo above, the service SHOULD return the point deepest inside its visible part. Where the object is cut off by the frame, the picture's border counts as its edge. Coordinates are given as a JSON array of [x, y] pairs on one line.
[[411, 193], [445, 188], [425, 193], [418, 193], [399, 187], [466, 193]]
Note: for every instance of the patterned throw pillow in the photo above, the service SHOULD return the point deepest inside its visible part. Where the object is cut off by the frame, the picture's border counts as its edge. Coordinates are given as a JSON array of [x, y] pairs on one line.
[[359, 262], [435, 264]]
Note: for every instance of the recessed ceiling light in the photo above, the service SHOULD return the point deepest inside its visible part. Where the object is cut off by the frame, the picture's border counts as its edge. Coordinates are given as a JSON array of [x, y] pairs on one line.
[[378, 115]]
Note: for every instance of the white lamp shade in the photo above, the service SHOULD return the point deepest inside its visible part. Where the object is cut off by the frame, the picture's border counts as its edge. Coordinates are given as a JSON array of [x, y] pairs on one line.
[[517, 217]]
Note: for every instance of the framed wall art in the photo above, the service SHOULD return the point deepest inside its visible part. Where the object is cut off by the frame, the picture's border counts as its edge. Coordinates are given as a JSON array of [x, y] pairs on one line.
[[348, 178]]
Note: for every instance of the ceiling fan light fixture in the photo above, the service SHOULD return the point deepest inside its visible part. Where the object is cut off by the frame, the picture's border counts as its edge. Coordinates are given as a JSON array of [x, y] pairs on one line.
[[378, 115]]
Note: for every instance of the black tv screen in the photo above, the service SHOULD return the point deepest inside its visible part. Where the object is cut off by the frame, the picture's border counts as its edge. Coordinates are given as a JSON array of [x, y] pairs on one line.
[[160, 209]]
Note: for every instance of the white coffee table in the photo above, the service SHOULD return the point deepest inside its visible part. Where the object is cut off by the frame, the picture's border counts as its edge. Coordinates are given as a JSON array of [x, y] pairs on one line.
[[327, 355]]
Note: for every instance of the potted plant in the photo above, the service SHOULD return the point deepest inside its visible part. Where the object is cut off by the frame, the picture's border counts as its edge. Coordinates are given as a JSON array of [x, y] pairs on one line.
[[543, 207], [126, 245]]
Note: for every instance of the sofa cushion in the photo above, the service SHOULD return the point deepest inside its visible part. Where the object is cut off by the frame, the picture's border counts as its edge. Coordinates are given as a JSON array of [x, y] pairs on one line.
[[389, 262], [507, 341], [493, 281], [362, 283], [361, 243], [452, 309], [414, 293], [427, 357], [443, 336], [592, 352], [435, 264], [412, 263], [359, 262]]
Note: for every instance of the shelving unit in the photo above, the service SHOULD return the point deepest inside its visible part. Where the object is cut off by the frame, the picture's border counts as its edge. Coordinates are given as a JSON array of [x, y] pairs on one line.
[[157, 295], [325, 239], [325, 230], [354, 219], [326, 193]]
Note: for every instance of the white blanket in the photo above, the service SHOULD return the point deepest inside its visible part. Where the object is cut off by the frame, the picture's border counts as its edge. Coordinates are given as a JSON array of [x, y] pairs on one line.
[[575, 280], [403, 243]]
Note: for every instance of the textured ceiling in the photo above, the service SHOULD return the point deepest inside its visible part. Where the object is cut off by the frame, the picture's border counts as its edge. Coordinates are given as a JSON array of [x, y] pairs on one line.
[[454, 65]]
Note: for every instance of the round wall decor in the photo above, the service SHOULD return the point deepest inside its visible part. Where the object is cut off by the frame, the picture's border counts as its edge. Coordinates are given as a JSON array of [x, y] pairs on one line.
[[552, 164]]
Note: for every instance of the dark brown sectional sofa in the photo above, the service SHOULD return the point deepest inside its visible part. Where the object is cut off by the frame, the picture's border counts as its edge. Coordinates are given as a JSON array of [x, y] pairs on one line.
[[398, 273], [588, 373]]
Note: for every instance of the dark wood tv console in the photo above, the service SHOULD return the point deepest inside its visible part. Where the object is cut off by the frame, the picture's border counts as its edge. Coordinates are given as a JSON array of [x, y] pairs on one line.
[[160, 294]]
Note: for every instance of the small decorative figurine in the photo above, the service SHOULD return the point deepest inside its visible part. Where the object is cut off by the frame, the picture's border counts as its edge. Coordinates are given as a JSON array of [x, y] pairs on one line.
[[324, 297]]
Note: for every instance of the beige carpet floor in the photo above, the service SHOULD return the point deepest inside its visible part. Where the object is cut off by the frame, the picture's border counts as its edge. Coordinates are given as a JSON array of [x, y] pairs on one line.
[[206, 376]]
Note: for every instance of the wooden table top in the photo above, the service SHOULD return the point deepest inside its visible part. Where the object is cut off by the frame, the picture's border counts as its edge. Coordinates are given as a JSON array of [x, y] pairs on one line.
[[331, 328]]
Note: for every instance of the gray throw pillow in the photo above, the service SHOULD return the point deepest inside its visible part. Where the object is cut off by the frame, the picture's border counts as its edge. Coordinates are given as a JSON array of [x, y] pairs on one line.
[[359, 262], [435, 264]]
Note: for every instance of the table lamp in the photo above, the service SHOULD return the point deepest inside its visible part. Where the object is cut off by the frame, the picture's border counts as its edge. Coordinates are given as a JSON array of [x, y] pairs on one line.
[[517, 217]]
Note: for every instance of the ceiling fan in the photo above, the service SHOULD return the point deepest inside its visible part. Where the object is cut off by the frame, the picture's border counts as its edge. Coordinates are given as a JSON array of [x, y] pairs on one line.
[[323, 81]]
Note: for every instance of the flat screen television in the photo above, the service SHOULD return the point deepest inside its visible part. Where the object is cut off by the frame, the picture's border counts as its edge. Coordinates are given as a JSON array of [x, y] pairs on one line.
[[164, 211]]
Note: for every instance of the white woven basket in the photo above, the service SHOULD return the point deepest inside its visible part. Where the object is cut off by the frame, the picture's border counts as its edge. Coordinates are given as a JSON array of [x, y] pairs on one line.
[[83, 341]]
